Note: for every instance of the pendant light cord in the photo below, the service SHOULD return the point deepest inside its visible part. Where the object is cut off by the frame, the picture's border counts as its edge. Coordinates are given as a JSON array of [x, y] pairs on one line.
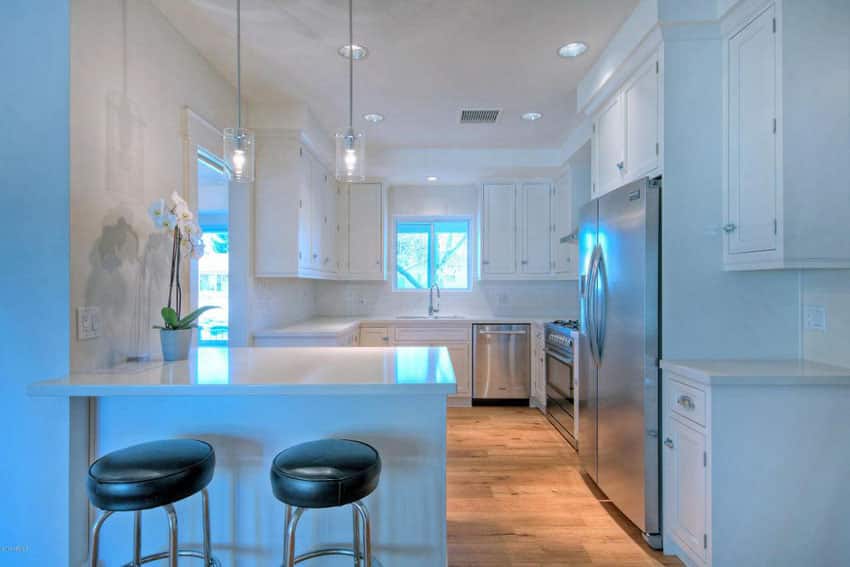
[[239, 64], [350, 65]]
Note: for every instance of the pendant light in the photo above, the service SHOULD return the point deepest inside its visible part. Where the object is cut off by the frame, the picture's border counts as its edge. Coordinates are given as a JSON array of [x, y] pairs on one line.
[[350, 145], [239, 141]]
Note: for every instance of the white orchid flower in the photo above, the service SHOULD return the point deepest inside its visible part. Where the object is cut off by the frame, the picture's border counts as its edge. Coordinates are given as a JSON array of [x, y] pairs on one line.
[[178, 200], [197, 249], [157, 212], [169, 221]]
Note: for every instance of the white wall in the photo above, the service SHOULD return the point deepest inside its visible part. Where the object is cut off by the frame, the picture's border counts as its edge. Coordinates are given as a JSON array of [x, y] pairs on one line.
[[545, 299], [34, 282], [829, 289], [132, 75], [706, 312]]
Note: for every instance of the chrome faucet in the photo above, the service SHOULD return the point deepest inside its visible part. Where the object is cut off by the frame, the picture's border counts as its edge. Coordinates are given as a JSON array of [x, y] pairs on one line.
[[431, 309]]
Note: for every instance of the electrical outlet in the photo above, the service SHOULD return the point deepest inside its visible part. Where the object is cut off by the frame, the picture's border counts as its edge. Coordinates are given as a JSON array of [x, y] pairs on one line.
[[815, 317], [88, 323]]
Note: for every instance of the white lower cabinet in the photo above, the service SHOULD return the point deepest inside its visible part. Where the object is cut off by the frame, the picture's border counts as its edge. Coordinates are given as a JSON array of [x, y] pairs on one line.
[[685, 471], [686, 468], [538, 366], [375, 337], [457, 340]]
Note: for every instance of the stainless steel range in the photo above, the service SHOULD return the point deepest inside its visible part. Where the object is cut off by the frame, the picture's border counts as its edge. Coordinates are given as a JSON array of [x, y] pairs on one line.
[[561, 379]]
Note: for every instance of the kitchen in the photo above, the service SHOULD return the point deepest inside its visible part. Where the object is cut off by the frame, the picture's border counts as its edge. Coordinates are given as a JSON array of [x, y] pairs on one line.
[[575, 272]]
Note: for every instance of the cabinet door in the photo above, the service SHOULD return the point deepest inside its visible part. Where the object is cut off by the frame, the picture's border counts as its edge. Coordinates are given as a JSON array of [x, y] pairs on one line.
[[752, 187], [304, 208], [535, 228], [563, 248], [342, 229], [685, 473], [365, 232], [608, 141], [329, 234], [499, 230], [640, 101], [317, 212], [460, 356]]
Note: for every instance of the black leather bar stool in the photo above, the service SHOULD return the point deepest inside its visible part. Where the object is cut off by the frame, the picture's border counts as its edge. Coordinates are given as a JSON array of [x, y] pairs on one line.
[[326, 474], [153, 475]]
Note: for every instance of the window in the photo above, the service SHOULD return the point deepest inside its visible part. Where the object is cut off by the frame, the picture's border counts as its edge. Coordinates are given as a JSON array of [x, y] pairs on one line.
[[432, 250], [212, 283]]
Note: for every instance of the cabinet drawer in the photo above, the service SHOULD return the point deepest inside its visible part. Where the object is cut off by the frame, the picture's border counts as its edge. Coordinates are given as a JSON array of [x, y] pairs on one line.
[[437, 335], [686, 401], [374, 336]]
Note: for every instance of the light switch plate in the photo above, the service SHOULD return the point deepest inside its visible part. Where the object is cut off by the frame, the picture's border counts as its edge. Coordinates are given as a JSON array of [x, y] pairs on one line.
[[88, 323], [815, 317]]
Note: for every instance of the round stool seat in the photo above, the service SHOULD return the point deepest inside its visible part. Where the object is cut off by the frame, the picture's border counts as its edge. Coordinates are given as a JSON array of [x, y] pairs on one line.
[[325, 473], [151, 474]]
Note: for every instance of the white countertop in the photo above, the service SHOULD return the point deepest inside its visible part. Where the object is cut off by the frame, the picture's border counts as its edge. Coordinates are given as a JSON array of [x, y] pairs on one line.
[[337, 326], [212, 371], [759, 372]]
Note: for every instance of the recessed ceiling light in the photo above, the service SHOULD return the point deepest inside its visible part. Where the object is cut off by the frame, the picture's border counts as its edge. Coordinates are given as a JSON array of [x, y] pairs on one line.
[[373, 117], [431, 178], [572, 49], [360, 51], [532, 116]]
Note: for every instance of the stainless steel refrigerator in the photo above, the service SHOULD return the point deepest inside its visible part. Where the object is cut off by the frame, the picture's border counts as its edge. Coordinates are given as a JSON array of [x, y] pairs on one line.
[[619, 252]]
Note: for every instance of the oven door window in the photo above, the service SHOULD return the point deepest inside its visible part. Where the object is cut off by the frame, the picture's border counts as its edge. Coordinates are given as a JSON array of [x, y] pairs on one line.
[[559, 383]]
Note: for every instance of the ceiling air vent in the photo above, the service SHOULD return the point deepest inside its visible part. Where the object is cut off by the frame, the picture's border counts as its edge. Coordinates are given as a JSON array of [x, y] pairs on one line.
[[478, 116]]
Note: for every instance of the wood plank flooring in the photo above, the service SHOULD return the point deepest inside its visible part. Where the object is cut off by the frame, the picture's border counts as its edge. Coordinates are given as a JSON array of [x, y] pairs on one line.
[[516, 497]]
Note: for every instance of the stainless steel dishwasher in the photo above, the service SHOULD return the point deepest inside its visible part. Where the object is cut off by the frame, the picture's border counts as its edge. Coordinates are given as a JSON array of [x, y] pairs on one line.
[[501, 362]]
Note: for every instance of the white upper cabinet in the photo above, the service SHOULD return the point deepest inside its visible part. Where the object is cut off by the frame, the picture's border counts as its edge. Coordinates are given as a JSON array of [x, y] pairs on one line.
[[609, 147], [499, 225], [366, 231], [518, 227], [752, 225], [535, 228], [786, 128], [564, 244], [641, 104], [289, 206], [627, 131]]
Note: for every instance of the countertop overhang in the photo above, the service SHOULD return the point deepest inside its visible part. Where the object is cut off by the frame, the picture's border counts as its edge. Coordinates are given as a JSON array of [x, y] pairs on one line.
[[270, 371], [775, 372]]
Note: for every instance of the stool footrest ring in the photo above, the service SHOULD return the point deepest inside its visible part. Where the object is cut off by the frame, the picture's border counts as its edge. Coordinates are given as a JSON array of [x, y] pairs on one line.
[[162, 556], [333, 551]]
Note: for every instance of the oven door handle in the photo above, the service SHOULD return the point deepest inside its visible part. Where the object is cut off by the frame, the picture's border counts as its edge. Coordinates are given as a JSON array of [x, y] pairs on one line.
[[558, 357]]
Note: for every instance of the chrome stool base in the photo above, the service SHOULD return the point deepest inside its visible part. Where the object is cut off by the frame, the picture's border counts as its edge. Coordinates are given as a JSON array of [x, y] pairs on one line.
[[173, 552], [361, 551], [162, 556]]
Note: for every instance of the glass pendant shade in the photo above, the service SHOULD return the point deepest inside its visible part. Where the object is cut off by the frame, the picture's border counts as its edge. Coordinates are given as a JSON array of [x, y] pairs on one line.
[[350, 155], [239, 153]]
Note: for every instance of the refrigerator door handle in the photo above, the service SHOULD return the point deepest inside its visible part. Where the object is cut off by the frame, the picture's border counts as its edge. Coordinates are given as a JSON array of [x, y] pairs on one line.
[[601, 315], [592, 304]]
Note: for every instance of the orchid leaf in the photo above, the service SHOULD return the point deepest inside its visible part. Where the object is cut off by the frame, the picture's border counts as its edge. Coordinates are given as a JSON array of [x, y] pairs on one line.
[[188, 321], [169, 316]]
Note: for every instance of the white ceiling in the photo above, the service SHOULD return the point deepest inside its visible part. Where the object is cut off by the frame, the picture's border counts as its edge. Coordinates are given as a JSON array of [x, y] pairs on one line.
[[428, 59]]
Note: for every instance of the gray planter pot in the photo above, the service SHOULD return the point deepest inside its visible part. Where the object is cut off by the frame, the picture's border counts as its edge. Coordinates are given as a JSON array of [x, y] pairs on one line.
[[175, 344]]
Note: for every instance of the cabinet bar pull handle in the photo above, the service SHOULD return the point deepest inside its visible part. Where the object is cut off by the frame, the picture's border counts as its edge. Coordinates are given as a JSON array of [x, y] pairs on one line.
[[729, 228], [668, 443], [686, 402]]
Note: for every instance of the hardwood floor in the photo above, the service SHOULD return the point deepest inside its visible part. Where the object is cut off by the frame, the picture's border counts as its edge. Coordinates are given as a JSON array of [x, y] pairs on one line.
[[516, 497]]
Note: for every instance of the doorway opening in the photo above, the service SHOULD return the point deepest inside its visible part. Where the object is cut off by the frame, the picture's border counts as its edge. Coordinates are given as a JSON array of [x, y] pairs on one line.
[[213, 270]]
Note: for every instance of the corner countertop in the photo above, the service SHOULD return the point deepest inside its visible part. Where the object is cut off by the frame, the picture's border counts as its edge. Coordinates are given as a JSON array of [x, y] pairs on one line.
[[320, 371], [772, 372], [337, 326]]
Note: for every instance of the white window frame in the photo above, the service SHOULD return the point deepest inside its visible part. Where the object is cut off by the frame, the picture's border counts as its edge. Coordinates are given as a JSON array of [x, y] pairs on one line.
[[431, 219]]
